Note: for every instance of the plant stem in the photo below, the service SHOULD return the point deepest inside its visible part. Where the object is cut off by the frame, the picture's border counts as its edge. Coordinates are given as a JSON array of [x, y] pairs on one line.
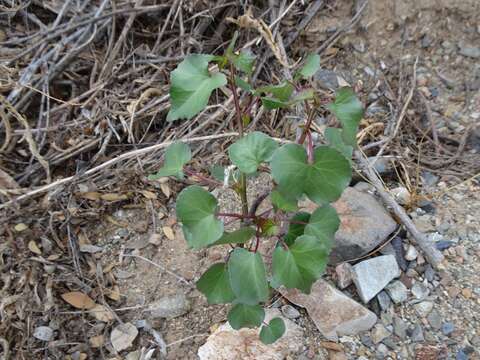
[[205, 179], [306, 129], [238, 216], [238, 113]]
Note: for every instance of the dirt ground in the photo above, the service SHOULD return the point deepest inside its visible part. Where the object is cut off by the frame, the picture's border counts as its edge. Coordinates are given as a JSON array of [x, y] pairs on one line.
[[140, 255]]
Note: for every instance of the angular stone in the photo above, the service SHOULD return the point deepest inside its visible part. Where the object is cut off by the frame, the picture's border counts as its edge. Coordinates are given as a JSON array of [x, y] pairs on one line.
[[420, 291], [371, 276], [423, 308], [397, 291], [435, 320], [384, 300], [400, 327], [334, 313], [364, 225], [378, 333], [245, 344], [344, 275], [290, 312], [169, 306]]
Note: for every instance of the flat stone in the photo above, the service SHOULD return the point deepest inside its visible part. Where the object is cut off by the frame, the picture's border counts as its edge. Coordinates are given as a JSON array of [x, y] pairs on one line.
[[326, 79], [371, 276], [416, 334], [435, 320], [364, 224], [43, 333], [245, 344], [448, 328], [169, 306], [290, 312], [423, 308], [470, 51], [420, 291], [400, 327], [334, 313], [344, 275], [378, 333], [411, 253], [384, 300], [397, 291]]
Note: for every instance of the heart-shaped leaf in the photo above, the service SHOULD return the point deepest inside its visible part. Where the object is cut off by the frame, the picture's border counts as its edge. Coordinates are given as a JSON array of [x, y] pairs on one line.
[[252, 150], [273, 331], [176, 156], [239, 236], [215, 285], [196, 209], [322, 181], [271, 103], [311, 66], [249, 316], [247, 277], [191, 86], [301, 264], [282, 92], [297, 227], [323, 224], [349, 111], [243, 61], [334, 137], [281, 200]]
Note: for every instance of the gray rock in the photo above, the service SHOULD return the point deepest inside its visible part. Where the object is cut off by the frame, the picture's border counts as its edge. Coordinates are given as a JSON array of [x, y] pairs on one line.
[[435, 320], [344, 275], [470, 51], [365, 224], [448, 328], [371, 276], [245, 344], [326, 79], [420, 291], [423, 308], [384, 300], [397, 291], [378, 333], [169, 306], [43, 333], [429, 273], [416, 334], [402, 195], [333, 313], [290, 312], [400, 327], [382, 165], [382, 350]]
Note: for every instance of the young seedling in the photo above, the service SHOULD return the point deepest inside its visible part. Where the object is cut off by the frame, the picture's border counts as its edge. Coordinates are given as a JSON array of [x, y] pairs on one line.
[[298, 170]]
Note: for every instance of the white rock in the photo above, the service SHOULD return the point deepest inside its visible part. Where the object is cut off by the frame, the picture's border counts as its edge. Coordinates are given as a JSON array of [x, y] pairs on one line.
[[402, 195], [411, 253], [226, 343], [43, 333], [333, 312], [123, 336], [371, 276]]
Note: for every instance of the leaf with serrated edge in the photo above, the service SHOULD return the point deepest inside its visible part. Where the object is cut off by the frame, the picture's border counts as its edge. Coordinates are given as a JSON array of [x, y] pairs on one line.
[[252, 150], [323, 181], [176, 156], [215, 285], [273, 331], [196, 210], [239, 236], [349, 111], [191, 86], [249, 316], [248, 277], [301, 264]]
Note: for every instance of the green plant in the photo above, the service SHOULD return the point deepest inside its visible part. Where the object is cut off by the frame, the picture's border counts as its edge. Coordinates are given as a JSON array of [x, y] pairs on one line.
[[303, 240]]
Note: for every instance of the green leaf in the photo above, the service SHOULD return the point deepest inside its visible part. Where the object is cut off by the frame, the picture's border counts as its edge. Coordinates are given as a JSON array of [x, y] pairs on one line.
[[335, 140], [302, 96], [282, 201], [176, 156], [322, 181], [239, 236], [349, 111], [242, 84], [323, 224], [248, 277], [295, 229], [252, 150], [196, 209], [273, 331], [215, 285], [270, 103], [311, 66], [281, 92], [191, 86], [301, 264], [248, 316], [243, 62]]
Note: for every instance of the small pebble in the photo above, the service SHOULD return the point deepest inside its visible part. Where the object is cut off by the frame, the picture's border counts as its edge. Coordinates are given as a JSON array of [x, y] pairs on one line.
[[444, 244], [447, 328], [290, 312]]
